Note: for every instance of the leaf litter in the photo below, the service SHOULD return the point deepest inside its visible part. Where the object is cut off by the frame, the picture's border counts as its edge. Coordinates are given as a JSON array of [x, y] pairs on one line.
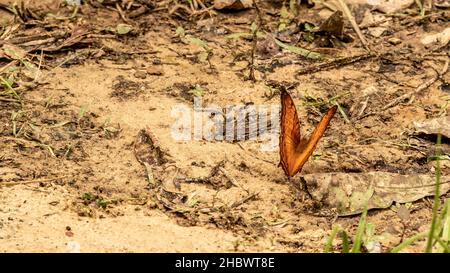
[[216, 187]]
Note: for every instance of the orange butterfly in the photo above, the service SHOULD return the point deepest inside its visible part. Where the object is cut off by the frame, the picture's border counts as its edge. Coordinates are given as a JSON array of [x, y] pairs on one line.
[[294, 150]]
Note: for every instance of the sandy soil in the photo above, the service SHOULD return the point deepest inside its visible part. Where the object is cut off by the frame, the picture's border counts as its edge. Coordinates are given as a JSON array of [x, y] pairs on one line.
[[92, 98]]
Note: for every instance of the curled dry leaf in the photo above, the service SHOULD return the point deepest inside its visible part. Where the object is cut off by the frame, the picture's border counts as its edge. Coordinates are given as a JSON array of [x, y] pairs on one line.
[[350, 192], [13, 52], [434, 126], [442, 38], [150, 155], [147, 149], [232, 4], [78, 35], [442, 3], [374, 19], [392, 6]]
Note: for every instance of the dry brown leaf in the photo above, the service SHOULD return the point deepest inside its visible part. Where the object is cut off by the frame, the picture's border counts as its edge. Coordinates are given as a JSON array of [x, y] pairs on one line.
[[147, 149], [350, 192], [392, 6], [232, 4], [434, 126], [12, 52], [442, 38]]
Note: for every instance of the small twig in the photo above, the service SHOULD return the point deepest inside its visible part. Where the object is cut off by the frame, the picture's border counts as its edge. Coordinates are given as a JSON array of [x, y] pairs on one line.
[[355, 26], [421, 7], [374, 24], [178, 6], [9, 100], [408, 20], [207, 179], [232, 179], [32, 143], [329, 6], [244, 200], [150, 176], [255, 156], [38, 73], [11, 89], [122, 14], [12, 63], [203, 9], [363, 107], [339, 62], [408, 95], [254, 43], [42, 180], [431, 4], [385, 77], [343, 114], [192, 5], [200, 2]]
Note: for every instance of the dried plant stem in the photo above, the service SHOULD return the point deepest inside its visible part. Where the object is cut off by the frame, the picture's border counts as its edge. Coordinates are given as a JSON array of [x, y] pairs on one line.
[[355, 26], [408, 95], [254, 44], [42, 180]]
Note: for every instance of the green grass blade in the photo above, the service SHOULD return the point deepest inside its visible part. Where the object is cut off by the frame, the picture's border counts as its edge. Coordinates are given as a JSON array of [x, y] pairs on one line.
[[345, 243], [432, 232], [446, 216], [409, 241], [443, 245], [360, 232], [443, 230], [330, 240]]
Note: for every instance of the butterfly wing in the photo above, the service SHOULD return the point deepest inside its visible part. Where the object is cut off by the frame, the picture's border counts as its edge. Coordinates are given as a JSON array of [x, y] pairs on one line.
[[289, 133], [295, 151], [303, 152]]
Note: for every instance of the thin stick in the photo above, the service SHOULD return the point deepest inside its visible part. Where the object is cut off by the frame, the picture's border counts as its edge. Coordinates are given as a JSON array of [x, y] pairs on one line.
[[38, 73], [244, 200], [122, 14], [42, 180], [329, 6], [355, 26], [12, 63], [232, 179], [408, 95], [177, 7], [254, 43], [339, 62], [374, 24]]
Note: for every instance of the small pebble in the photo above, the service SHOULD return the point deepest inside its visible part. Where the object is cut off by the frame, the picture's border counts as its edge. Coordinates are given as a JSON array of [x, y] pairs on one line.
[[153, 70], [394, 41], [140, 74]]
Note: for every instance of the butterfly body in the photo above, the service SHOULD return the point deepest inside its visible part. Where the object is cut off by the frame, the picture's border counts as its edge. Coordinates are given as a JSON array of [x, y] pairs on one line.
[[295, 150]]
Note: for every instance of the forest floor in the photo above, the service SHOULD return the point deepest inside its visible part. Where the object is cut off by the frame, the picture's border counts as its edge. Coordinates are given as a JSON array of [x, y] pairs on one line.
[[81, 89]]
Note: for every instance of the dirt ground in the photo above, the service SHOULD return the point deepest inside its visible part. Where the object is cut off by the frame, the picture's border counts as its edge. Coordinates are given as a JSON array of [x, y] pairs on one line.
[[70, 179]]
